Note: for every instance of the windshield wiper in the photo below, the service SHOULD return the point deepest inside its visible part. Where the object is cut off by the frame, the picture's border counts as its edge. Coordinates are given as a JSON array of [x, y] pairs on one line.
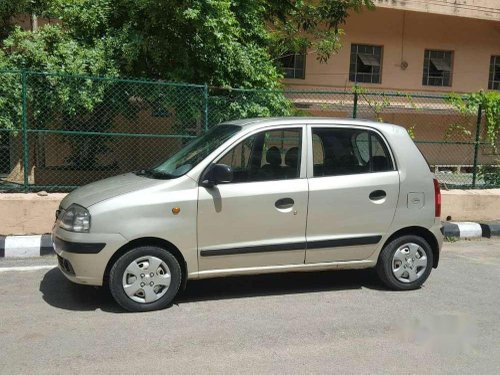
[[155, 174]]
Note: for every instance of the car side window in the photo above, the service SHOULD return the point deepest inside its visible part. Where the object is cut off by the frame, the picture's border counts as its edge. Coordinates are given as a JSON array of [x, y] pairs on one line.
[[266, 156], [239, 157], [348, 151]]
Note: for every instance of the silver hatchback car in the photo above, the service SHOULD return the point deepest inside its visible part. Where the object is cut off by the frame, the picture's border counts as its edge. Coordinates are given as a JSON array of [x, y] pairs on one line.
[[257, 196]]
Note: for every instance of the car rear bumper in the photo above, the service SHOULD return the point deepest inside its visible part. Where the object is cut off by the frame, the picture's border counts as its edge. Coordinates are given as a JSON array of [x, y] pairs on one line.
[[436, 231]]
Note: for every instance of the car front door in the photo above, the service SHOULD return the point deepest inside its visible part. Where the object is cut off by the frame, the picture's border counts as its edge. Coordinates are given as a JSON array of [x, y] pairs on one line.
[[258, 219], [353, 191]]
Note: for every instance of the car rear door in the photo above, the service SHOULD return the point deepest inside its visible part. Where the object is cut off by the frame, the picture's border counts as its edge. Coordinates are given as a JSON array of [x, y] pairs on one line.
[[353, 192]]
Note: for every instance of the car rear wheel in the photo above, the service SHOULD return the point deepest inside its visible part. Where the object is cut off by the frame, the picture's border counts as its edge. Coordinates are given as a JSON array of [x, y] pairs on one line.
[[144, 279], [405, 263]]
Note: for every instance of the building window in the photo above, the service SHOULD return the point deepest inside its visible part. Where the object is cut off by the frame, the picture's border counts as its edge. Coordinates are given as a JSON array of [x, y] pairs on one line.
[[294, 65], [366, 63], [437, 68], [494, 82]]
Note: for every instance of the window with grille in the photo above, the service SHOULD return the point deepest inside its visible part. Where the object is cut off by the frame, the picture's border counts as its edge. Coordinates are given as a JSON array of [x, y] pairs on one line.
[[438, 66], [293, 65], [366, 63], [494, 81]]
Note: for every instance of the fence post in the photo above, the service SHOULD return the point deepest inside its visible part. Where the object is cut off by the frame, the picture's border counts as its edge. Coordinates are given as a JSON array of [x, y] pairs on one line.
[[476, 145], [355, 103], [24, 95], [205, 106]]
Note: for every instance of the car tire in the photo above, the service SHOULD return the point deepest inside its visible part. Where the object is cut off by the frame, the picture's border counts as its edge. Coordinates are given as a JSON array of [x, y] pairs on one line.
[[400, 264], [146, 278]]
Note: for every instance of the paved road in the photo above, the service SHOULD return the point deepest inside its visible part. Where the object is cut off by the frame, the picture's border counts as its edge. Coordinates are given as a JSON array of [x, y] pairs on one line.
[[328, 322]]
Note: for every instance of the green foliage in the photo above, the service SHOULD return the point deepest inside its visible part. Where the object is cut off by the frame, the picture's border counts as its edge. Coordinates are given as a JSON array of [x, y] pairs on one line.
[[411, 131], [451, 238], [10, 103], [19, 8], [490, 174], [298, 25], [231, 104], [221, 43], [52, 49], [218, 42], [416, 108], [377, 106], [490, 104], [454, 129]]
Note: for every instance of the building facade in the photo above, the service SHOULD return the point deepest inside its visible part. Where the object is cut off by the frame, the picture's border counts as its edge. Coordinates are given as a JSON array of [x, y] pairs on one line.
[[411, 45]]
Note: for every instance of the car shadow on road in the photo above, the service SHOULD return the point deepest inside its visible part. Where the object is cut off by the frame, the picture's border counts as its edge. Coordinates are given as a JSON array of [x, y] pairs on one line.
[[61, 293], [278, 284]]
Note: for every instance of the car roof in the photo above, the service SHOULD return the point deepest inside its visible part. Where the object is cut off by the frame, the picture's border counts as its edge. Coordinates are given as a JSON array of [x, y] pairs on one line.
[[279, 121]]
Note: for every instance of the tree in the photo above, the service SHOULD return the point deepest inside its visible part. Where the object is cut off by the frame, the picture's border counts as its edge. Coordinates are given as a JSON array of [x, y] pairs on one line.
[[298, 26], [221, 43], [227, 43], [52, 49]]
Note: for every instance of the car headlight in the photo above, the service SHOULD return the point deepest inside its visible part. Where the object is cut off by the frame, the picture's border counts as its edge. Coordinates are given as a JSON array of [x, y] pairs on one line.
[[76, 219]]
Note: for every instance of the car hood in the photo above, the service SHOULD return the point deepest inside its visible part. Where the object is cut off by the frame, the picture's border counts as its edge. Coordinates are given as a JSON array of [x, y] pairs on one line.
[[111, 187]]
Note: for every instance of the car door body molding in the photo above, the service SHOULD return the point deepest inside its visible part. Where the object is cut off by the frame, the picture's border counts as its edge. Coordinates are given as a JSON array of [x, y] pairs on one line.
[[254, 249], [338, 242]]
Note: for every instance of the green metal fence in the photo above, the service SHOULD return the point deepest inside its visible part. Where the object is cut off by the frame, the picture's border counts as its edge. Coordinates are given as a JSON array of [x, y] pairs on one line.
[[59, 131]]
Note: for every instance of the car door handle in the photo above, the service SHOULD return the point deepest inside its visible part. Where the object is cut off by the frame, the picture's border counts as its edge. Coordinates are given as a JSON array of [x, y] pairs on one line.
[[284, 203], [377, 195]]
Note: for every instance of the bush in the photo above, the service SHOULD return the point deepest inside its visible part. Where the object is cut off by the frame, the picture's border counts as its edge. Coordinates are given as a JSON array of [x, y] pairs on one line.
[[491, 175]]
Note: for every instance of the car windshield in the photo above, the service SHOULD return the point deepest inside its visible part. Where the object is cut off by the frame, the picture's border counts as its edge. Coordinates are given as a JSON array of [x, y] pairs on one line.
[[194, 152]]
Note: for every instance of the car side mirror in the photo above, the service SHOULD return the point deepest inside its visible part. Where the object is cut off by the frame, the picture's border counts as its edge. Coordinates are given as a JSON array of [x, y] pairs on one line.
[[217, 174]]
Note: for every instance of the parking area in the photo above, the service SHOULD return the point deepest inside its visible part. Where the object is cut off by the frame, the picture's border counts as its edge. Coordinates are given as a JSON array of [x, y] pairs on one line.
[[324, 322]]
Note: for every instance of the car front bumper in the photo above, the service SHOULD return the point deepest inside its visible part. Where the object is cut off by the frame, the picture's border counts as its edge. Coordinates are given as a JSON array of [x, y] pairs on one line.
[[83, 257]]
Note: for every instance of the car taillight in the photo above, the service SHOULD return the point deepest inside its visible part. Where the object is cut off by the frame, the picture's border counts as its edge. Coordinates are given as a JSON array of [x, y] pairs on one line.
[[437, 199]]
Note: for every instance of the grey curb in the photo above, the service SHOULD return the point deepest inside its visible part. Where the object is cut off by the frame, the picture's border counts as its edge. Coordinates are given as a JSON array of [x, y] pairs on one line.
[[41, 245]]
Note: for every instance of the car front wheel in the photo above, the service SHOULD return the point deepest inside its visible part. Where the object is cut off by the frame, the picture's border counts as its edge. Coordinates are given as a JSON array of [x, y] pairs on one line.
[[405, 263], [144, 279]]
